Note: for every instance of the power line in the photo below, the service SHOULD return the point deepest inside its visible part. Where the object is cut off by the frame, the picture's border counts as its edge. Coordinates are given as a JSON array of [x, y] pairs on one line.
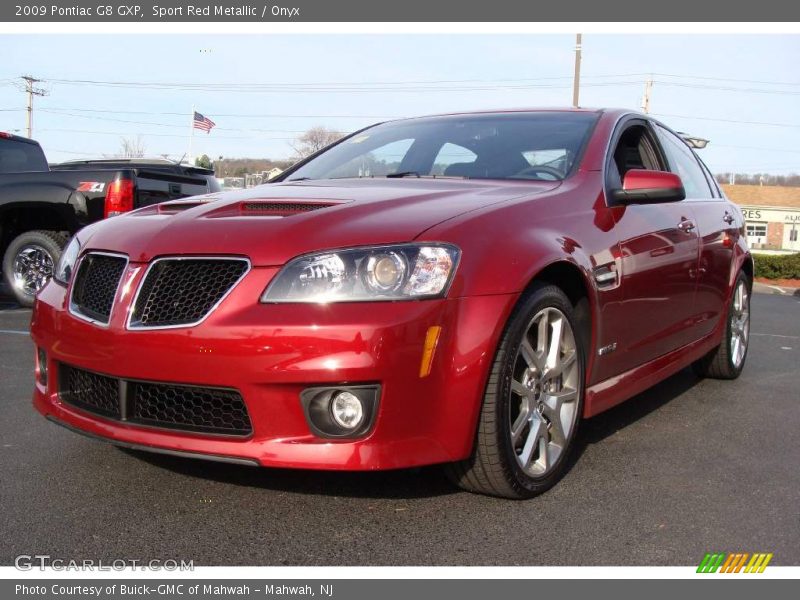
[[335, 88], [735, 121], [452, 85], [216, 114], [700, 86], [422, 81], [332, 83], [707, 78], [170, 125], [144, 133]]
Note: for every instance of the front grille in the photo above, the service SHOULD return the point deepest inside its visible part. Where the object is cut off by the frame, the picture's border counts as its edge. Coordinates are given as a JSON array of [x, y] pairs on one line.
[[178, 291], [96, 285], [165, 405]]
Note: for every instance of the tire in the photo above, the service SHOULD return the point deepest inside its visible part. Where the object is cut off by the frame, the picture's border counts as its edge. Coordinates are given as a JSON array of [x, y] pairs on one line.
[[518, 379], [29, 262], [726, 361]]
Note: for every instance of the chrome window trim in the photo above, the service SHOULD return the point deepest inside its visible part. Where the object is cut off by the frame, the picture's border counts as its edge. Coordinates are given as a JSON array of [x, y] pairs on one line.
[[72, 307], [131, 327]]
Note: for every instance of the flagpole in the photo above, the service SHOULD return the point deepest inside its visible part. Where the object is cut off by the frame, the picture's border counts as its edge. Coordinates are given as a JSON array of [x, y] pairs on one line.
[[191, 135]]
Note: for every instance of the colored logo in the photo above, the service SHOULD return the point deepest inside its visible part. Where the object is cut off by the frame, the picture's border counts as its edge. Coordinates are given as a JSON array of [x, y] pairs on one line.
[[734, 562]]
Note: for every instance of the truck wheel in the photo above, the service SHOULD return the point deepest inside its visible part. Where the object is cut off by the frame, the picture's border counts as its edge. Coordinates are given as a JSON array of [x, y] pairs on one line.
[[30, 261]]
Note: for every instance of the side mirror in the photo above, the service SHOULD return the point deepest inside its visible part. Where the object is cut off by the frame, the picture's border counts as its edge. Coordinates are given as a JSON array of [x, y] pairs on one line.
[[642, 186]]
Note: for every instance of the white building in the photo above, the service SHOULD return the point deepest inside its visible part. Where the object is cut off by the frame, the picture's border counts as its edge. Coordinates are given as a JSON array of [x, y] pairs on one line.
[[772, 215]]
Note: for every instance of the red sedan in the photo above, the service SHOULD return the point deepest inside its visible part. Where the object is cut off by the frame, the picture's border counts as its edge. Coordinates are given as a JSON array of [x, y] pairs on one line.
[[459, 289]]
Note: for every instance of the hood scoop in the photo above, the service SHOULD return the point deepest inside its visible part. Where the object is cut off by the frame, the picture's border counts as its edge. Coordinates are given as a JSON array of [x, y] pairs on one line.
[[281, 209], [271, 208], [171, 208]]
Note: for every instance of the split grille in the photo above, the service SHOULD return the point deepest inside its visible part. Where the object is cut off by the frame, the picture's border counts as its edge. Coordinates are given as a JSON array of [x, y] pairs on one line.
[[169, 406], [96, 285], [182, 291]]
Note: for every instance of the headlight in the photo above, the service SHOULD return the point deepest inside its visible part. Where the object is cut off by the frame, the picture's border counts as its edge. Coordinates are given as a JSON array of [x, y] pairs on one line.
[[401, 272], [67, 262]]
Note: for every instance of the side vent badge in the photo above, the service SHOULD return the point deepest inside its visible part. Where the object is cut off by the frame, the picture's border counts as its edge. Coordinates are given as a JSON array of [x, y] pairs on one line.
[[607, 349]]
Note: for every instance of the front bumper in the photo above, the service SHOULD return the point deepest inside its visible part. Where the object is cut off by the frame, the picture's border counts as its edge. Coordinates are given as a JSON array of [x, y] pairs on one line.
[[271, 353]]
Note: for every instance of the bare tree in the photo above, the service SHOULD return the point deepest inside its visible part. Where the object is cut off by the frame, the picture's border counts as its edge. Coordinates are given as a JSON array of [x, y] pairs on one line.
[[313, 140], [132, 148]]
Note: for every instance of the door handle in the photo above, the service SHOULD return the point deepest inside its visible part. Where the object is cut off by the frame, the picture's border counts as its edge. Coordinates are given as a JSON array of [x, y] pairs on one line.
[[686, 225], [728, 218]]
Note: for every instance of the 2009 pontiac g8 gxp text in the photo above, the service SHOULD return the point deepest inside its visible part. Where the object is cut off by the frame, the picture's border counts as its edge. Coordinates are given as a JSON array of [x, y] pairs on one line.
[[458, 289]]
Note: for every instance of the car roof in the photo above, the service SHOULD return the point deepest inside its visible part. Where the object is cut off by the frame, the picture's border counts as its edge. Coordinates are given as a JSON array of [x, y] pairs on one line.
[[541, 109]]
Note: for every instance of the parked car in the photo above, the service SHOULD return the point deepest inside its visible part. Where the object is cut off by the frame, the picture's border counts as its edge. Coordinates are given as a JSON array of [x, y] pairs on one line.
[[460, 289], [41, 206]]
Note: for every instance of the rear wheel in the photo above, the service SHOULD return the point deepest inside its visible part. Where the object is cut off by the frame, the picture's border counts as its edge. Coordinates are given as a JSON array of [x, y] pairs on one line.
[[726, 361], [30, 261], [532, 404]]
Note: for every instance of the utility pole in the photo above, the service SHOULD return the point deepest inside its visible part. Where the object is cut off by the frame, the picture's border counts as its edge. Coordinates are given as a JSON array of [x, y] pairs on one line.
[[648, 88], [576, 83], [32, 91]]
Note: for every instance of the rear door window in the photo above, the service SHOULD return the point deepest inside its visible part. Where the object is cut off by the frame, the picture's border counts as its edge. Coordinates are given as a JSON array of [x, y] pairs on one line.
[[684, 163]]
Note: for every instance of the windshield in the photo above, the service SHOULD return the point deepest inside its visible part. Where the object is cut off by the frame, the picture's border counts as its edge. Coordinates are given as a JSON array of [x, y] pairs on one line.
[[539, 146]]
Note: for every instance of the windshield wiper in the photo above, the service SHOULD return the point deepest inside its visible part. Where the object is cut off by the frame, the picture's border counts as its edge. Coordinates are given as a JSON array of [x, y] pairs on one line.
[[298, 179], [403, 174]]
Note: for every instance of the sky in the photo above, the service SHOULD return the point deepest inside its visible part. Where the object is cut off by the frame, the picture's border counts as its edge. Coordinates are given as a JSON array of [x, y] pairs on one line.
[[742, 92]]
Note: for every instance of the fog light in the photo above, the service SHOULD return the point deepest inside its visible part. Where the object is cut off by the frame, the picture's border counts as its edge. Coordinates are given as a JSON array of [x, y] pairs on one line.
[[343, 411], [41, 360], [346, 410]]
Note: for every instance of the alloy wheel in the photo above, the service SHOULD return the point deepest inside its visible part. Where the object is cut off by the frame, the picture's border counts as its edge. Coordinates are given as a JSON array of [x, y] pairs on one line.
[[740, 324], [545, 390]]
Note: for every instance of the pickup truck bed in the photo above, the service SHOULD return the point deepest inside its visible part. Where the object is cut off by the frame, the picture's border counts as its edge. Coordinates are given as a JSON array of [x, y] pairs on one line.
[[41, 206]]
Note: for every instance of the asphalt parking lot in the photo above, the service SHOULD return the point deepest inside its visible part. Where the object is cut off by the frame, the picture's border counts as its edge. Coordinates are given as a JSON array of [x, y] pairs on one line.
[[688, 467]]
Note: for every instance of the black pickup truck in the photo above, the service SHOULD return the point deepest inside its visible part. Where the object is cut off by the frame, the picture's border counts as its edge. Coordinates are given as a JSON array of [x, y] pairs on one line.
[[42, 205]]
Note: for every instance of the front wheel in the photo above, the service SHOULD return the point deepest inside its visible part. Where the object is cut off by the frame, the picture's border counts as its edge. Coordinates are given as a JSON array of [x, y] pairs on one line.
[[533, 402], [726, 361], [30, 261]]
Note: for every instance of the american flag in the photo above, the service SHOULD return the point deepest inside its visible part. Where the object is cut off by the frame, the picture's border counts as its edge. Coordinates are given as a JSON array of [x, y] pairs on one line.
[[201, 122]]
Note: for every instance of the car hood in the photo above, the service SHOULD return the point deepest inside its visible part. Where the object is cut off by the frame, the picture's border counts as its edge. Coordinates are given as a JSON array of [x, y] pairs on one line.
[[276, 222]]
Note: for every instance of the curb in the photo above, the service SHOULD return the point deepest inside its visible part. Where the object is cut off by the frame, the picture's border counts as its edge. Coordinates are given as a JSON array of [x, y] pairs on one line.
[[766, 288]]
